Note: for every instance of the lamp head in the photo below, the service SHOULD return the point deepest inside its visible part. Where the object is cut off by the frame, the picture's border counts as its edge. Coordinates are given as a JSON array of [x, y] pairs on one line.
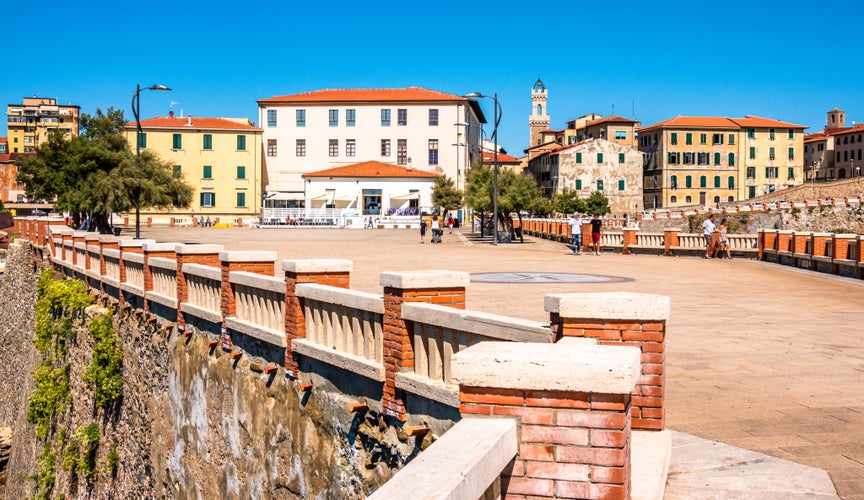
[[474, 95], [158, 87]]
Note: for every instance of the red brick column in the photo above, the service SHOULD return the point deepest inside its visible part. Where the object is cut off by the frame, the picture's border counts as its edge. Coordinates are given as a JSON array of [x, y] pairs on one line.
[[446, 288], [573, 405], [586, 235], [250, 261], [332, 272], [207, 255], [820, 244], [784, 238], [622, 318], [630, 239], [670, 239]]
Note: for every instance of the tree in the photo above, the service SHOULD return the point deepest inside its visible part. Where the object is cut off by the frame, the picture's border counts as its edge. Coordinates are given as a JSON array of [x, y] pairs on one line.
[[445, 195], [97, 173], [516, 193], [568, 202], [597, 204]]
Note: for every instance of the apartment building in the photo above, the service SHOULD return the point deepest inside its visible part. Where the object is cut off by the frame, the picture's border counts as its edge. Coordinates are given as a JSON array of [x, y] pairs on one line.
[[30, 122], [848, 149], [219, 157], [413, 127], [696, 160]]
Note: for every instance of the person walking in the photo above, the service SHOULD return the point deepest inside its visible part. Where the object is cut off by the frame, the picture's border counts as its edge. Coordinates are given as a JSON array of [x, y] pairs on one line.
[[723, 241], [450, 223], [436, 230], [596, 228], [576, 233], [422, 230], [708, 234]]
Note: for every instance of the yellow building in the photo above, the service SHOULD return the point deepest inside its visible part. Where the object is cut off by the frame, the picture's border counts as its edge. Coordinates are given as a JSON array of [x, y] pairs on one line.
[[699, 160], [219, 157], [30, 122]]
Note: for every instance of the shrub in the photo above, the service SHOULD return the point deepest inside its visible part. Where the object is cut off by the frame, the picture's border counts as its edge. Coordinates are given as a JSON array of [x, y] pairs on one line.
[[104, 374]]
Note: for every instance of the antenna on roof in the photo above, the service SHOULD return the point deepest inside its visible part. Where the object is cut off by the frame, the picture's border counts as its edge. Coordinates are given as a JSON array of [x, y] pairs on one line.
[[613, 109], [633, 111]]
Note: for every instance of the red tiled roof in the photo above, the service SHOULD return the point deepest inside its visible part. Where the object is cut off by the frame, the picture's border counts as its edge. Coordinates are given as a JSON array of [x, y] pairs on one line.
[[371, 169], [758, 121], [365, 95], [851, 130], [693, 122], [818, 136], [174, 122], [10, 157], [4, 139], [610, 119], [488, 156]]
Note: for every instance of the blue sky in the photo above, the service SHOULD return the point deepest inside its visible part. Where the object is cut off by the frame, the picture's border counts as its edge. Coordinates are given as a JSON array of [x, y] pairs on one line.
[[663, 59]]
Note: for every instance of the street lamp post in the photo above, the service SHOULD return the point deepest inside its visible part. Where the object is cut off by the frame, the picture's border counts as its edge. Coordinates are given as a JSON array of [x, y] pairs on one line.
[[497, 120], [136, 111]]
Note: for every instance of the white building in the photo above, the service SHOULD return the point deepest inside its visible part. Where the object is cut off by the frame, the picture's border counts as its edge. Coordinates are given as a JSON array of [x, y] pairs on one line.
[[423, 129]]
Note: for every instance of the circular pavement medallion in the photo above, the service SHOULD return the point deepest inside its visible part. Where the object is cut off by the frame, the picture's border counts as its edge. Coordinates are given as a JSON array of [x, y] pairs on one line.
[[544, 278]]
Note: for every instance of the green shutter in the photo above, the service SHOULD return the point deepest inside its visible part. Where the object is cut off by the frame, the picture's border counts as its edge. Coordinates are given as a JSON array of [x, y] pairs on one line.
[[731, 182], [142, 140], [703, 181], [201, 199], [689, 138], [688, 182], [241, 199], [600, 184], [621, 185], [716, 181], [578, 157], [241, 172], [752, 152], [177, 171], [177, 141], [208, 141], [578, 184], [731, 159], [674, 138], [621, 158], [716, 158], [599, 157], [241, 143], [791, 153], [208, 172]]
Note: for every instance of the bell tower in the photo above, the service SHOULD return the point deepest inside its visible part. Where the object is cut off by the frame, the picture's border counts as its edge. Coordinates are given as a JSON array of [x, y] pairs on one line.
[[539, 119], [836, 119]]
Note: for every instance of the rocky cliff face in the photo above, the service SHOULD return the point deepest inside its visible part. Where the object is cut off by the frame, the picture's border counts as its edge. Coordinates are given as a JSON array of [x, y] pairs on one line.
[[192, 421]]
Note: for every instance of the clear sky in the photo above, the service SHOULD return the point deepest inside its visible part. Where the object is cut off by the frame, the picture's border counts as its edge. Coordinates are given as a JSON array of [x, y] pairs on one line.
[[788, 60]]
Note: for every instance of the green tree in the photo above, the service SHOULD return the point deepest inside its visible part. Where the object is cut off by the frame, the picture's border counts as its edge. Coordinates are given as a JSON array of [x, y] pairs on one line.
[[597, 204], [568, 202], [97, 173], [516, 193], [445, 195]]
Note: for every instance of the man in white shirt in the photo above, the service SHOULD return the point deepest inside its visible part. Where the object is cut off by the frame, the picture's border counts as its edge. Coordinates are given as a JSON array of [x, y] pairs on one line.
[[576, 233], [708, 233]]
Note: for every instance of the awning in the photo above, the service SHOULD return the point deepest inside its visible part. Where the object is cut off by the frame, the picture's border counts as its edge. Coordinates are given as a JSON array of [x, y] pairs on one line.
[[285, 196], [408, 196], [325, 196]]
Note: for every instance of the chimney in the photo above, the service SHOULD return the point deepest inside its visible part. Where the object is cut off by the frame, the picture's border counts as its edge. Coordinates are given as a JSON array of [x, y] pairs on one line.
[[189, 123], [171, 113]]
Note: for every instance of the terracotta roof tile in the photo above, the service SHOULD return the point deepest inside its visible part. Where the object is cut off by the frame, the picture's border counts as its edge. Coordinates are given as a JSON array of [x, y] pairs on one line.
[[194, 122], [851, 130], [610, 119], [365, 95], [371, 169], [4, 140], [502, 157], [693, 122], [758, 121]]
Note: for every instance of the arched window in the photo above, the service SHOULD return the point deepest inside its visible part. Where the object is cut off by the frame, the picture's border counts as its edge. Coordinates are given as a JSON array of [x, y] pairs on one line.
[[716, 181], [703, 181], [539, 109], [731, 198], [688, 199], [673, 181], [688, 182], [716, 199], [673, 199], [841, 174]]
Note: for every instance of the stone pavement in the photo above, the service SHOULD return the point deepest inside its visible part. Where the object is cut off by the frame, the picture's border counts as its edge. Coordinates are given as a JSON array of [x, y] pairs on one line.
[[759, 356]]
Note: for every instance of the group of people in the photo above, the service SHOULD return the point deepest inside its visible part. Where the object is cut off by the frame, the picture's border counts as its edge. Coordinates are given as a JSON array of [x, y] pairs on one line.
[[708, 228], [437, 232], [202, 222], [576, 233]]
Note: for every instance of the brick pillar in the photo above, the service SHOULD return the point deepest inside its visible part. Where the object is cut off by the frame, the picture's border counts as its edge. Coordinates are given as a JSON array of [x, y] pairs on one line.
[[784, 238], [630, 239], [54, 226], [125, 221], [171, 222], [149, 221], [586, 236], [333, 272], [41, 231], [239, 221], [446, 288], [129, 246], [768, 241], [251, 261], [670, 239], [207, 255], [820, 244], [78, 241], [622, 318], [573, 405]]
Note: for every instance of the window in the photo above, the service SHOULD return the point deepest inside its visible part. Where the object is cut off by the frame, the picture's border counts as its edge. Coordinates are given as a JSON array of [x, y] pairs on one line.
[[688, 158], [674, 158], [208, 199], [771, 188], [177, 170], [208, 172], [620, 135], [770, 134], [703, 158], [241, 172], [241, 143], [717, 139], [599, 157], [751, 133], [688, 181], [731, 139], [578, 157], [791, 173], [791, 133], [620, 184], [731, 159], [208, 141], [771, 154], [673, 199], [142, 140], [752, 152], [751, 172], [433, 151], [703, 181], [333, 147], [751, 191], [703, 138], [621, 158], [716, 158], [688, 138], [673, 182], [301, 117], [578, 185], [271, 117], [385, 117], [350, 117], [385, 147], [688, 199], [300, 147], [771, 172], [177, 141], [791, 153], [673, 138], [731, 183], [716, 181], [402, 117], [241, 199], [600, 185], [402, 151], [334, 117], [271, 147], [350, 147], [433, 117], [730, 199]]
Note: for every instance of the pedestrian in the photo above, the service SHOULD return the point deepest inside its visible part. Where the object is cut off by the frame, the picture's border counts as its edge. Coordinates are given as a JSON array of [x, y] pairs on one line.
[[436, 230], [422, 230], [596, 227], [208, 223], [708, 234], [576, 233], [450, 222], [85, 224], [723, 241]]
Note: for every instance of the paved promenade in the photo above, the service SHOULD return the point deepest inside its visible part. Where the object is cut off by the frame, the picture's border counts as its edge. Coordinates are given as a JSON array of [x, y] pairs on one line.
[[759, 356]]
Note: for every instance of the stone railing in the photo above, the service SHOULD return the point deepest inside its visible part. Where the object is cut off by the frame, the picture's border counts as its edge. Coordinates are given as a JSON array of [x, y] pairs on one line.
[[596, 369], [825, 252], [661, 214]]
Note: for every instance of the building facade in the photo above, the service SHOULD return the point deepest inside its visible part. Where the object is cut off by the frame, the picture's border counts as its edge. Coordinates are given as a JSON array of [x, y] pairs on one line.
[[613, 169], [423, 129], [694, 160], [11, 191], [848, 149], [30, 122], [219, 157], [538, 121]]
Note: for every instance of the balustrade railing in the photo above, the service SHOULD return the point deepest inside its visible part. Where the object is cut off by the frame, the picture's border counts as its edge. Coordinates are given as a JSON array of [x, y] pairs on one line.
[[164, 275], [260, 306], [204, 292], [649, 240]]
